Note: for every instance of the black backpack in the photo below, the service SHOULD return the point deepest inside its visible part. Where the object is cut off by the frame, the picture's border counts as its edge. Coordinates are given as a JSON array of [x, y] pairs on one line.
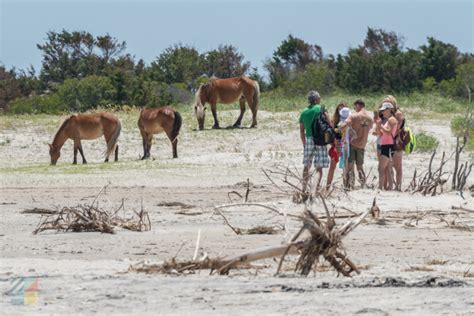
[[323, 133]]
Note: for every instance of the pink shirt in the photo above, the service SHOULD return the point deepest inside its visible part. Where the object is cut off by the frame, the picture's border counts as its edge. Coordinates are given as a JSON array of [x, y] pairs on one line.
[[387, 138]]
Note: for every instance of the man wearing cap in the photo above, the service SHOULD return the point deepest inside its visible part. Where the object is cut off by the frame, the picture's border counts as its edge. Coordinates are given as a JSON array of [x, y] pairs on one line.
[[312, 153], [361, 123]]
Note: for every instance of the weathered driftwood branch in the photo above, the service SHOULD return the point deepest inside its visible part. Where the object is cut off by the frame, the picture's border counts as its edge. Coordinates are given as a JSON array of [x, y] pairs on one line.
[[258, 230], [453, 207], [430, 181], [324, 241], [90, 218], [458, 182]]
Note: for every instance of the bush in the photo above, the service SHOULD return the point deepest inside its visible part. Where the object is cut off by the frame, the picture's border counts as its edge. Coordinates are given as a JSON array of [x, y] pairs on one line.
[[429, 85], [38, 104], [458, 127], [314, 77], [171, 94], [425, 142], [87, 93]]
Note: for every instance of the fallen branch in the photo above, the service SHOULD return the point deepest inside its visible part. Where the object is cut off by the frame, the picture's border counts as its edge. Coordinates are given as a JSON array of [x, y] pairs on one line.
[[325, 241], [461, 209], [258, 230]]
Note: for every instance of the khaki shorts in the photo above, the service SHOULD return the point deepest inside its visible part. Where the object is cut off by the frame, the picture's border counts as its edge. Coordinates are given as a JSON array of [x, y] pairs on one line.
[[357, 155]]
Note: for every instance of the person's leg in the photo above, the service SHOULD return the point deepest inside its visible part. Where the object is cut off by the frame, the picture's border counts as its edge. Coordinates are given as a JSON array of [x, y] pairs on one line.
[[321, 160], [307, 160], [360, 166], [397, 165], [332, 168], [350, 175], [350, 168], [319, 176], [383, 165]]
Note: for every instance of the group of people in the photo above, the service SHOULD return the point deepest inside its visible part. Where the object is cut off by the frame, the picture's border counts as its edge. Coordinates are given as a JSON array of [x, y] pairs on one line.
[[351, 130]]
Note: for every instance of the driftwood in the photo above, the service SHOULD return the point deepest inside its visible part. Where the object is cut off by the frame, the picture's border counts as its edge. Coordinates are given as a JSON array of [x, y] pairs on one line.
[[454, 225], [461, 172], [90, 218], [431, 181], [258, 230], [324, 241], [462, 209]]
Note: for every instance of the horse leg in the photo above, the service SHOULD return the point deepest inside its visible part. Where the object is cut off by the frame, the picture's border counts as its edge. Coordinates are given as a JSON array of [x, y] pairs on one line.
[[174, 143], [82, 153], [149, 141], [74, 162], [254, 109], [214, 114], [116, 153], [242, 111], [144, 143]]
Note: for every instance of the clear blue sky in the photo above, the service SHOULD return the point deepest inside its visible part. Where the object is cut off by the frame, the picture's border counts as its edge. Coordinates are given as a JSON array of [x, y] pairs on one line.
[[255, 27]]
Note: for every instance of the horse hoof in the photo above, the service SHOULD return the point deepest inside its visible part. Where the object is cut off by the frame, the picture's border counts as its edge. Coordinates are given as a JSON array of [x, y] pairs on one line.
[[74, 163], [216, 127], [236, 126]]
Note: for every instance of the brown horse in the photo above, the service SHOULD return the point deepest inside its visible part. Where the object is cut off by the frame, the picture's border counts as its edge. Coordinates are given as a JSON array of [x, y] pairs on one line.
[[154, 121], [227, 91], [87, 126]]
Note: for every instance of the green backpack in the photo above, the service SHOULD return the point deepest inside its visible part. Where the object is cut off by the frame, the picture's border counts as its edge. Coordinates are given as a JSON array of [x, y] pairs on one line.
[[411, 146]]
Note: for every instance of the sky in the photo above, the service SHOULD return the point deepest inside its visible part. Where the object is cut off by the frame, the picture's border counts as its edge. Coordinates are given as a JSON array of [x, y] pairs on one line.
[[255, 27]]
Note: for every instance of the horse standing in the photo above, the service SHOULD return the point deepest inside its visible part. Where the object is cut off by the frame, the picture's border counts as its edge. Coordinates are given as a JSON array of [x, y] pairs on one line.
[[87, 126], [227, 91], [154, 121]]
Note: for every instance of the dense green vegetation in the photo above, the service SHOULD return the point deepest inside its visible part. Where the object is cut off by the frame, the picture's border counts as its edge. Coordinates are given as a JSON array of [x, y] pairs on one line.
[[81, 72], [425, 142]]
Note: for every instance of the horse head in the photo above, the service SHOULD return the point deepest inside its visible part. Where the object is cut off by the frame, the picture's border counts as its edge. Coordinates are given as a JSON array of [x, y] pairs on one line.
[[54, 152], [200, 105]]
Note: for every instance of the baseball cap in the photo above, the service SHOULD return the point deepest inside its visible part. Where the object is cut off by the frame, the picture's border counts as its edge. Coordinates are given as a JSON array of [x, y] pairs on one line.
[[386, 105]]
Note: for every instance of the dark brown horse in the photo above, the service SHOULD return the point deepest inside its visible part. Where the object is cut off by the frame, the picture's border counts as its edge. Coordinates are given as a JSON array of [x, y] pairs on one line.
[[86, 126], [154, 121], [227, 91]]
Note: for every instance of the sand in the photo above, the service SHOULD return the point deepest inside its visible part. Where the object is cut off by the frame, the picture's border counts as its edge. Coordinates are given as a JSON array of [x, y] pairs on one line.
[[407, 266]]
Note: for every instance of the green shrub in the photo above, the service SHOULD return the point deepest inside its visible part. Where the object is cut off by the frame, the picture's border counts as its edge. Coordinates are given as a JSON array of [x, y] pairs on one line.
[[171, 94], [38, 104], [87, 93], [429, 84], [425, 142], [458, 127], [314, 76]]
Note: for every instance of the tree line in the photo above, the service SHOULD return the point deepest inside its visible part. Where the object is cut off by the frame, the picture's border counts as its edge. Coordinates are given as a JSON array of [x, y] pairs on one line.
[[81, 71]]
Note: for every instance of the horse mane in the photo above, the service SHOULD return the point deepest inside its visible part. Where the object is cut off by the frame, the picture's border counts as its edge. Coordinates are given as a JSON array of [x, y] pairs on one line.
[[63, 125]]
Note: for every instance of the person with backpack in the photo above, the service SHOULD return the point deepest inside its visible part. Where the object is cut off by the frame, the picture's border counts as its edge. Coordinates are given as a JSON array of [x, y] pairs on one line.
[[397, 159], [361, 123], [313, 153], [387, 131]]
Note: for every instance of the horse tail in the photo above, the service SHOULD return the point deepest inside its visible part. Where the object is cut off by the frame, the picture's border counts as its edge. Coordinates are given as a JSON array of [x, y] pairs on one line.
[[178, 120], [114, 139], [256, 95]]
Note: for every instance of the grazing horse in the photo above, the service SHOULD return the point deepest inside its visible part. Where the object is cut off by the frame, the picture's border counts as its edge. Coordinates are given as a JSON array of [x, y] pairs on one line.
[[154, 121], [227, 91], [87, 126]]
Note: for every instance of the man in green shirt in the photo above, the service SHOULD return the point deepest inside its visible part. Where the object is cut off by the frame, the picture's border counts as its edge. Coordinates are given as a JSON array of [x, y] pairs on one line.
[[312, 152]]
